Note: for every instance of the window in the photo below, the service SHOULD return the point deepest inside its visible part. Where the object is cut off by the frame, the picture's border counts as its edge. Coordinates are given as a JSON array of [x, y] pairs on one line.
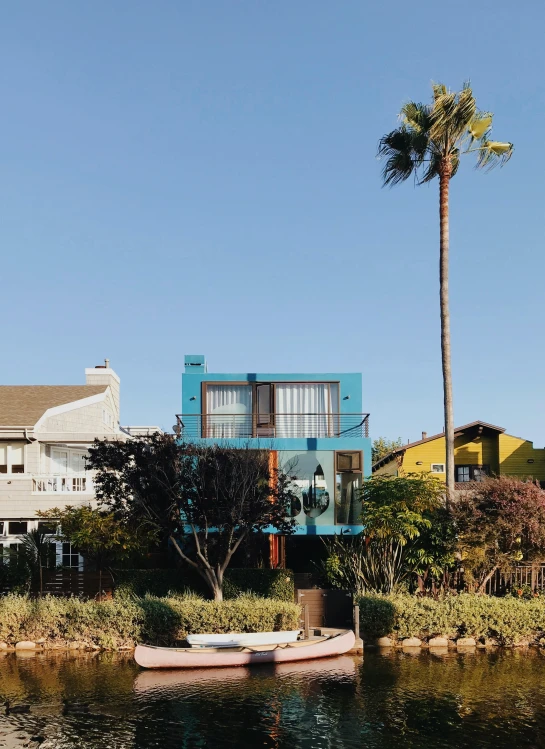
[[229, 411], [271, 409], [438, 468], [12, 457], [70, 557], [349, 461], [65, 462], [264, 405], [306, 409], [348, 506], [471, 473], [107, 417], [47, 526], [17, 527]]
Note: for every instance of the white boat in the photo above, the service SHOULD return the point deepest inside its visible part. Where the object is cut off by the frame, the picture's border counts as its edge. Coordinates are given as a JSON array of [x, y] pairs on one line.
[[242, 639], [149, 656]]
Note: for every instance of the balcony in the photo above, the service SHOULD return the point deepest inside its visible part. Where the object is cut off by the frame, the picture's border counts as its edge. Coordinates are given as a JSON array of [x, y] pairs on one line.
[[62, 484], [246, 426]]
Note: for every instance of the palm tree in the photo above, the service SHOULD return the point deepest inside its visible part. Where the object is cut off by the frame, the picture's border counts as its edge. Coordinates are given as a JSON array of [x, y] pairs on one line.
[[35, 547], [428, 144]]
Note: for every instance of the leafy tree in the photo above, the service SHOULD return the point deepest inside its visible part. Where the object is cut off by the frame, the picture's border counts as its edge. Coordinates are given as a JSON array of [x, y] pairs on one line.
[[428, 144], [205, 499], [99, 536], [382, 447], [397, 513], [500, 524]]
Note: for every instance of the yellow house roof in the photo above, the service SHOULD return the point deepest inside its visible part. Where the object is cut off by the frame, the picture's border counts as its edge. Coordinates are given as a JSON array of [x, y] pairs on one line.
[[479, 425]]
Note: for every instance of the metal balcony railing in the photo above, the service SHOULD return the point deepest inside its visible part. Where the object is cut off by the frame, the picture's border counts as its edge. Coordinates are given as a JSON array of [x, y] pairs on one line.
[[227, 426], [61, 484]]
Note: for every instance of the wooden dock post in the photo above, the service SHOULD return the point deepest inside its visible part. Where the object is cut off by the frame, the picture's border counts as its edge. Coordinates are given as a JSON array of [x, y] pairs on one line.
[[358, 645], [306, 614]]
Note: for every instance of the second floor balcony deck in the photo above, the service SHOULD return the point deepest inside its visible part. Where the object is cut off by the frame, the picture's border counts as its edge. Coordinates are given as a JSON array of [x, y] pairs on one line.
[[272, 426]]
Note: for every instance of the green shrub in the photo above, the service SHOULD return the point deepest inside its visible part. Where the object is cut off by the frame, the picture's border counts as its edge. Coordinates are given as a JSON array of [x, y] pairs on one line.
[[508, 620], [160, 583], [262, 582], [127, 621]]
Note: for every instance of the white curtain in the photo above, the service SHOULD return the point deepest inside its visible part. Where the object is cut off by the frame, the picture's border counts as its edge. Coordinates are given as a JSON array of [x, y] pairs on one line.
[[306, 409], [228, 411]]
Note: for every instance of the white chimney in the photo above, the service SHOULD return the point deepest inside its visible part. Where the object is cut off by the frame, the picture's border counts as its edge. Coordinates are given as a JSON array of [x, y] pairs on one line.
[[102, 374], [424, 435]]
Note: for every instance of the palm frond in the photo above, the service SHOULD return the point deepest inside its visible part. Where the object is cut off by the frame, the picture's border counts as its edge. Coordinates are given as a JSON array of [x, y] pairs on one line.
[[398, 168], [439, 89], [416, 116], [405, 150], [494, 153], [432, 170], [451, 115], [480, 125]]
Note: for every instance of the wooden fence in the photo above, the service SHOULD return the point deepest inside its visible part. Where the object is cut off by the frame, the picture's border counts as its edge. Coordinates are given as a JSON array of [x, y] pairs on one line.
[[523, 576], [74, 583]]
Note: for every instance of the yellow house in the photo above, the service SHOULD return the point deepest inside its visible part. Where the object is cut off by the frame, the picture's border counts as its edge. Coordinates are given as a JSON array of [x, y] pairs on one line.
[[480, 449]]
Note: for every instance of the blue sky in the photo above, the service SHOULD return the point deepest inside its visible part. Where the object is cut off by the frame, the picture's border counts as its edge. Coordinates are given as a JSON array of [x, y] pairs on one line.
[[200, 177]]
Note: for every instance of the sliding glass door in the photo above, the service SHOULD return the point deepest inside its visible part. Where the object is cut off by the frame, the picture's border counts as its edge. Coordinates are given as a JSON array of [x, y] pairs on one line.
[[228, 411], [306, 409]]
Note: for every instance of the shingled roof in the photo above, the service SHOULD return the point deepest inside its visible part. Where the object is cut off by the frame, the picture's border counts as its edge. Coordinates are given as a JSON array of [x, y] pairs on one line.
[[458, 431], [23, 405]]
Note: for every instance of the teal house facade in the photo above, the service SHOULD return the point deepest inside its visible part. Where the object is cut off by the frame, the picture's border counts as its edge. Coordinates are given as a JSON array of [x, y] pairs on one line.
[[314, 424]]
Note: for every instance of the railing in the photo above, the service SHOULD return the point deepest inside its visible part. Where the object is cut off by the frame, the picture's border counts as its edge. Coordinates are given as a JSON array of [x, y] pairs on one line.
[[61, 484], [226, 426], [530, 576]]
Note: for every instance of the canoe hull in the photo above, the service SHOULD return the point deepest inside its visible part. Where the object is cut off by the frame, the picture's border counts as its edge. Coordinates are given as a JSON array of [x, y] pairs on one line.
[[243, 639], [152, 657]]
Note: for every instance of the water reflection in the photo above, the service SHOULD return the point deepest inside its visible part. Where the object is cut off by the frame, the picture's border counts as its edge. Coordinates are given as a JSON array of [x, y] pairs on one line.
[[388, 700]]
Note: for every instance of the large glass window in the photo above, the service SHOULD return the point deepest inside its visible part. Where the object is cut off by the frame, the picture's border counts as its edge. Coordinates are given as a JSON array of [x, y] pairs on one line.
[[306, 409], [313, 483], [348, 506], [228, 411]]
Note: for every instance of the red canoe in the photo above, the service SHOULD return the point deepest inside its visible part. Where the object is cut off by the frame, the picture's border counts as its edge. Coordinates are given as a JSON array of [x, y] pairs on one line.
[[149, 656]]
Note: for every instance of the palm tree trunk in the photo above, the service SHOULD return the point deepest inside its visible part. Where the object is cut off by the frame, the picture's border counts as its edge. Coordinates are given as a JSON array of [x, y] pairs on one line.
[[444, 181]]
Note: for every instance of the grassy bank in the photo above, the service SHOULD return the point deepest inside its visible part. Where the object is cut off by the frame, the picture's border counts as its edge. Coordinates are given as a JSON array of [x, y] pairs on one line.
[[506, 620], [124, 622]]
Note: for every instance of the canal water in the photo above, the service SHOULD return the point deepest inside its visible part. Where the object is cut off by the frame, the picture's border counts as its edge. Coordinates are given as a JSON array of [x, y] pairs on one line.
[[387, 699]]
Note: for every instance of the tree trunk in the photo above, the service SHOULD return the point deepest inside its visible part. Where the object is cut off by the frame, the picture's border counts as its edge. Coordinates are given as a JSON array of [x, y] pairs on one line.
[[482, 587], [444, 180]]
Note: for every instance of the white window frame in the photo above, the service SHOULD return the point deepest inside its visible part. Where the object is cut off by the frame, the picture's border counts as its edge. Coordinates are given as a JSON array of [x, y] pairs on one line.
[[434, 466], [9, 462]]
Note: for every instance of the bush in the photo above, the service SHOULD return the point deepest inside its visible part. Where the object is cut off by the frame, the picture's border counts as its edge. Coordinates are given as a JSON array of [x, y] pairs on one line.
[[508, 620], [276, 584], [160, 583], [125, 622]]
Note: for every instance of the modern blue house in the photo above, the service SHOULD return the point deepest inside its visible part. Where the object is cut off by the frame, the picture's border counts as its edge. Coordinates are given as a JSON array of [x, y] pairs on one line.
[[313, 422]]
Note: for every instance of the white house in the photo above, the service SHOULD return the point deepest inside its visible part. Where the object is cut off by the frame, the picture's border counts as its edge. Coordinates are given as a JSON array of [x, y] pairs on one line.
[[45, 431]]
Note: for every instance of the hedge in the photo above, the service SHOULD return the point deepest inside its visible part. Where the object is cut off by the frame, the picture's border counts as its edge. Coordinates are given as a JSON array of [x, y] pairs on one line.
[[124, 622], [276, 584], [506, 620]]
